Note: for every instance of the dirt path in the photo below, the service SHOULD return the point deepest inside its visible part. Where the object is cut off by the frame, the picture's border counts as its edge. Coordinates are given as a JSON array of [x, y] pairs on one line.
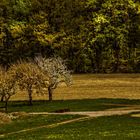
[[108, 112], [86, 115]]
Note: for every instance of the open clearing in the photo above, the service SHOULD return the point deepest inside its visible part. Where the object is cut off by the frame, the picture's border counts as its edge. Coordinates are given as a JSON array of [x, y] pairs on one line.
[[92, 86], [101, 107], [100, 125]]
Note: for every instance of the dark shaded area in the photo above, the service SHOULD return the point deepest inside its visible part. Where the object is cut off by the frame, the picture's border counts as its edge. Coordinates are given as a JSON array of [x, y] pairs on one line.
[[69, 105]]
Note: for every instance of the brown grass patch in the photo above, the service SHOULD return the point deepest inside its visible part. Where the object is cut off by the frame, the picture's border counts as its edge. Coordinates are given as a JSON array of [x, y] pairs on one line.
[[7, 118], [135, 115], [4, 118], [15, 115], [91, 86]]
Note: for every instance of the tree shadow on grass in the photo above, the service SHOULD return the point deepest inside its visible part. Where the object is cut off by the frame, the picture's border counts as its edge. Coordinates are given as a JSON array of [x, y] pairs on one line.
[[72, 105]]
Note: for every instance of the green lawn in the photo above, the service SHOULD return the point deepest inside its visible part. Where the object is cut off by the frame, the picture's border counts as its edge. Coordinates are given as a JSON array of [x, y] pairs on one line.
[[88, 93], [30, 121], [103, 128], [122, 127]]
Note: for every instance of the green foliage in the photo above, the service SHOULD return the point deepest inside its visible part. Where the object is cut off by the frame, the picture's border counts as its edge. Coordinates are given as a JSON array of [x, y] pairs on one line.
[[20, 8], [69, 28]]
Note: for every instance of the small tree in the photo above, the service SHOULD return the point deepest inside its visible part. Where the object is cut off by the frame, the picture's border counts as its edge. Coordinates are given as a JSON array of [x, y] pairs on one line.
[[29, 77], [56, 71], [7, 85]]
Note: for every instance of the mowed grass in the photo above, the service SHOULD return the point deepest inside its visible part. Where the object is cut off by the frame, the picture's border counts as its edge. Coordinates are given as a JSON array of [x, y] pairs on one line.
[[103, 128], [88, 93], [32, 121], [92, 86]]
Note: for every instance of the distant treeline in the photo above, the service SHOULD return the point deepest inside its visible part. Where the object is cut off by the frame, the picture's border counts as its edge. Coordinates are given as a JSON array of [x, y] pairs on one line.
[[98, 36]]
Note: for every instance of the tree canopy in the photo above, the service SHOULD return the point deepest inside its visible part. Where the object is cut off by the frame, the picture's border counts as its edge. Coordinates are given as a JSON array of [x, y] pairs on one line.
[[93, 35]]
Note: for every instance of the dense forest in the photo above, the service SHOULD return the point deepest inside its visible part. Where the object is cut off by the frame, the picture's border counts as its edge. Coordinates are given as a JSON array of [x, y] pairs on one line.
[[93, 36]]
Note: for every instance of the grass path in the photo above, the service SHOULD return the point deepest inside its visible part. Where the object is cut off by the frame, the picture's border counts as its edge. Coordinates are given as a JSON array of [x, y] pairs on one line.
[[46, 126], [86, 115]]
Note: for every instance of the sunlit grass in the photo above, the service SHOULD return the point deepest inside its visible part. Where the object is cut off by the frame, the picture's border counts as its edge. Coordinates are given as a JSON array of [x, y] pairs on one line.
[[103, 128], [91, 86], [30, 122], [90, 92]]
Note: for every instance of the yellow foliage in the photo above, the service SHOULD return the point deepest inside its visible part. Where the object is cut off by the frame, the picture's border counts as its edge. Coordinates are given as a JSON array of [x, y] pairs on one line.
[[17, 30], [2, 35]]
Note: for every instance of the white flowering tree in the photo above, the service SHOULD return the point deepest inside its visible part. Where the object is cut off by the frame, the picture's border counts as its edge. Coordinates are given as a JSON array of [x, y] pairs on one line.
[[29, 77], [7, 85], [56, 71]]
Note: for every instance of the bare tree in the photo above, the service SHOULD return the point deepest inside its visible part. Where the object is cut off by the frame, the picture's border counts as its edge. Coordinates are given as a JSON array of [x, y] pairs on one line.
[[7, 85], [56, 71], [29, 77]]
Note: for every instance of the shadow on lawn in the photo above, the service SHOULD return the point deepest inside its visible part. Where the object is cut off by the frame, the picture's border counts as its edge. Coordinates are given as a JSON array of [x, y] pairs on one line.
[[72, 105]]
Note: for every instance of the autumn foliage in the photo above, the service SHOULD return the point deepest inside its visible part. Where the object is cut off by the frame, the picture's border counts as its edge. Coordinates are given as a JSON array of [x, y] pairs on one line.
[[33, 77]]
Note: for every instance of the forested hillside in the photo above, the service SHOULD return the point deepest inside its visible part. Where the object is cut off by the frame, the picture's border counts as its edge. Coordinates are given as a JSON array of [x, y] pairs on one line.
[[101, 36]]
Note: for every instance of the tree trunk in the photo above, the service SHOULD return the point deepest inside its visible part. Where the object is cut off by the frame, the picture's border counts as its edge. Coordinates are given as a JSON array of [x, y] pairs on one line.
[[30, 96], [116, 57], [2, 98], [6, 103], [50, 91], [98, 59]]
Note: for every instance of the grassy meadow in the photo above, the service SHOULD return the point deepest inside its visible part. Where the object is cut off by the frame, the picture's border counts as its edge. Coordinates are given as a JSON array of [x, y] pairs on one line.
[[92, 92], [123, 127], [93, 86]]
